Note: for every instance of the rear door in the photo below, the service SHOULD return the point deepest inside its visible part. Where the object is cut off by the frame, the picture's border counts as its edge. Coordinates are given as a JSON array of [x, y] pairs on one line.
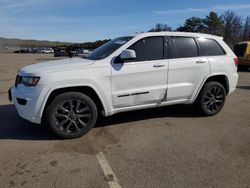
[[144, 79], [186, 69]]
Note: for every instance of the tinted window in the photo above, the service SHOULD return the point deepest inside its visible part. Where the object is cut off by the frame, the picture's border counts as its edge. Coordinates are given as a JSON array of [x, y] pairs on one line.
[[210, 47], [240, 49], [148, 49], [108, 48], [185, 47]]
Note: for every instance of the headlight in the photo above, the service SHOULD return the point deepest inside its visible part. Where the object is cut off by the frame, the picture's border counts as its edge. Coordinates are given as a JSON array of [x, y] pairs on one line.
[[27, 80]]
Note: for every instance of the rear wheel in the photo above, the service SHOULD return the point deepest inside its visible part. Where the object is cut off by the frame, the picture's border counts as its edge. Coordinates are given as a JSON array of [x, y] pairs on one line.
[[71, 115], [211, 99]]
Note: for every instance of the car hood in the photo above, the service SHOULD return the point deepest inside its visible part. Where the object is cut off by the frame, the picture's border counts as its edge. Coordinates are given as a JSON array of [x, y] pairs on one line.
[[57, 65]]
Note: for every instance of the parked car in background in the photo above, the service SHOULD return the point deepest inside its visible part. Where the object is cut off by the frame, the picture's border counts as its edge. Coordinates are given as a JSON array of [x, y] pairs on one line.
[[34, 50], [127, 73], [58, 52], [71, 51], [83, 52], [47, 50], [22, 50], [242, 50]]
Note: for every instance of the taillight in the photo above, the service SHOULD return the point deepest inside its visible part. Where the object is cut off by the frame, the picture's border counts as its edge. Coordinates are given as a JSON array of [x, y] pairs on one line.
[[236, 62]]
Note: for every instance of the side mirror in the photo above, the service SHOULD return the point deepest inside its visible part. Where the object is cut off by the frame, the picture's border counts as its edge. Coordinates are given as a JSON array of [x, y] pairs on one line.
[[128, 55]]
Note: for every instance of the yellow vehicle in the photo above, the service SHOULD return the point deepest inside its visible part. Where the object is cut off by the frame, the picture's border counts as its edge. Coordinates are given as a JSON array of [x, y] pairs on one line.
[[242, 50]]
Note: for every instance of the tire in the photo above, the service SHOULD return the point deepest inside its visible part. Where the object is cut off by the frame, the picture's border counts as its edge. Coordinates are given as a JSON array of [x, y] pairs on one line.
[[211, 99], [71, 115]]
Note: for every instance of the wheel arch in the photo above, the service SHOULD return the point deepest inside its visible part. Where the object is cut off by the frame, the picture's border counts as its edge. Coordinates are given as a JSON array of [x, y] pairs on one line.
[[87, 90], [220, 78]]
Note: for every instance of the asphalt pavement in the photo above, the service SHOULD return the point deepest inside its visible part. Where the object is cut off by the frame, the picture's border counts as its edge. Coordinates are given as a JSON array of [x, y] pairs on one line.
[[162, 147]]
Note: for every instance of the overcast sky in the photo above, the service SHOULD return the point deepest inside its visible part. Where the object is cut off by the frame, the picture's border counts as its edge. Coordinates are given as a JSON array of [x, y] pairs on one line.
[[89, 20]]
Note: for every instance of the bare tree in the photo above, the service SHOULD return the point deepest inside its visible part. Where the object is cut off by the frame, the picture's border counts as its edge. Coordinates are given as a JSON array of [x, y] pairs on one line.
[[246, 30], [232, 27]]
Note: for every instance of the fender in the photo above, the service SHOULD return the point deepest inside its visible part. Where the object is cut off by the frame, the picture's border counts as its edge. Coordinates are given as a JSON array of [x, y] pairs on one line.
[[103, 98]]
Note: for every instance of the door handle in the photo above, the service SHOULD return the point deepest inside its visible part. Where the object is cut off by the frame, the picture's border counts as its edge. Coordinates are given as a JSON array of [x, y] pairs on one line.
[[200, 61], [158, 65]]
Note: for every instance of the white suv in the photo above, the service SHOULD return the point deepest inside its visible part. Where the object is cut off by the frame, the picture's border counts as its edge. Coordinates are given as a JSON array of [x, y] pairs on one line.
[[127, 73]]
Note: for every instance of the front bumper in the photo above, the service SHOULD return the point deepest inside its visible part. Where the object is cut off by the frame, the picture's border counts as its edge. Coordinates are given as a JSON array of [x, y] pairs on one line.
[[27, 102]]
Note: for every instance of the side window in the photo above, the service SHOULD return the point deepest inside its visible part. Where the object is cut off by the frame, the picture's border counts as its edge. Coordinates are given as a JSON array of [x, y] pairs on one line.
[[148, 49], [210, 47], [185, 47]]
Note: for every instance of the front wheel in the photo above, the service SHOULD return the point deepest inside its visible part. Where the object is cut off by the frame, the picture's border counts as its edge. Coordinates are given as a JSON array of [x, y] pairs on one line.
[[71, 115], [211, 99]]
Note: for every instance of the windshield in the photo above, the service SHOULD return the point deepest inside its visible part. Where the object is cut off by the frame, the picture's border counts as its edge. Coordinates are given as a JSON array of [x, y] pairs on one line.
[[108, 48]]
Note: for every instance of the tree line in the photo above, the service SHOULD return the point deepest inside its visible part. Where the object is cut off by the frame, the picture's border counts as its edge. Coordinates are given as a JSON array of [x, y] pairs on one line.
[[230, 25]]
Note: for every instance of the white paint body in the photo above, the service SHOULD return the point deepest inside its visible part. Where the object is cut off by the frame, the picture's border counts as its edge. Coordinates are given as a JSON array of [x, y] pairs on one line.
[[168, 81]]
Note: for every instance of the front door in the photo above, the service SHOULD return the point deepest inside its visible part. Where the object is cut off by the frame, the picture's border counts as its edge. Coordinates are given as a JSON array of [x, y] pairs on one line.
[[144, 79]]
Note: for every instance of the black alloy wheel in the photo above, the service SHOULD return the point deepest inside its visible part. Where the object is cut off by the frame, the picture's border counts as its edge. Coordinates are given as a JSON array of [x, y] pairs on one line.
[[214, 99], [71, 115], [211, 99]]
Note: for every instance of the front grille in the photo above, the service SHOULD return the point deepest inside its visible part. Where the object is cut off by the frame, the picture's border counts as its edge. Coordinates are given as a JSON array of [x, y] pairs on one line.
[[18, 80]]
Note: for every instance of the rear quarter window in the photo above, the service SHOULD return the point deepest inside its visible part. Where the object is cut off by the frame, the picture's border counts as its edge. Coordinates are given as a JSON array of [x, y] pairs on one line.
[[210, 47]]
